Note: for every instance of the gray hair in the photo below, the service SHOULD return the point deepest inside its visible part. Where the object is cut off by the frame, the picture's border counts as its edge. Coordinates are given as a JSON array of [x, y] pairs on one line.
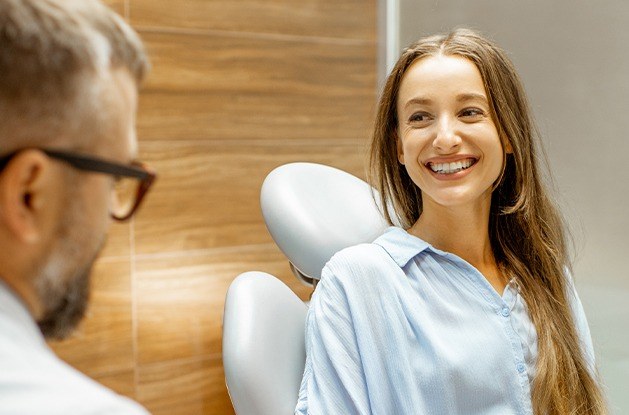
[[54, 55]]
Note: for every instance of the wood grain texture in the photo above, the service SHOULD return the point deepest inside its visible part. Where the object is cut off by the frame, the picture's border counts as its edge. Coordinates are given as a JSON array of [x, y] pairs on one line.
[[181, 299], [238, 88], [184, 388], [349, 19], [116, 5], [118, 241], [103, 343], [122, 383], [208, 193], [230, 88]]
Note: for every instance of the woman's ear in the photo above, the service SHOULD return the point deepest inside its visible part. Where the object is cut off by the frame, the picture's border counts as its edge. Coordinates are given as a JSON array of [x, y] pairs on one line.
[[508, 148], [22, 187]]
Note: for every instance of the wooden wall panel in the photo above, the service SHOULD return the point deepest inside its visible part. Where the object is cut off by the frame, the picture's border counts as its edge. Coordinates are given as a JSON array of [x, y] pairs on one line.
[[229, 87], [181, 299], [238, 88], [122, 383], [208, 193], [103, 344], [194, 387], [352, 19], [118, 240], [116, 5]]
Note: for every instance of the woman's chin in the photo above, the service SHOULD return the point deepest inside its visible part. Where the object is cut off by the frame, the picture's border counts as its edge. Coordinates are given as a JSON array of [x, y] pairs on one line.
[[456, 197]]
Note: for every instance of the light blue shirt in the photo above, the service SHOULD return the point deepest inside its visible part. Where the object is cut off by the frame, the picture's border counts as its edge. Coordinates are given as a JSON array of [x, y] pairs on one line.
[[399, 327]]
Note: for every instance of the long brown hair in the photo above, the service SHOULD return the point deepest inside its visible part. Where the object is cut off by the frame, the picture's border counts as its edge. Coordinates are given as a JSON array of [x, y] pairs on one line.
[[526, 231]]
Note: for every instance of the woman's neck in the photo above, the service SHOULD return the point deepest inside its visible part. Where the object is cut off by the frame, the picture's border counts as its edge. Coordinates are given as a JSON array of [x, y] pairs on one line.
[[461, 230]]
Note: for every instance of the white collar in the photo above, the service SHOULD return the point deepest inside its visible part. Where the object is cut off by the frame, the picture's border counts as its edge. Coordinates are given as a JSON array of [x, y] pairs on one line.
[[13, 310]]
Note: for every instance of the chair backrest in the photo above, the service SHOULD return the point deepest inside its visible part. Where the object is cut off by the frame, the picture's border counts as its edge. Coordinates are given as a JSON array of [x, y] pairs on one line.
[[263, 345], [313, 211]]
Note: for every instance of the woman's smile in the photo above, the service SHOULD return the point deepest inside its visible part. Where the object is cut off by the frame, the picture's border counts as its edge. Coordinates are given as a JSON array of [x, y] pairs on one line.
[[451, 169]]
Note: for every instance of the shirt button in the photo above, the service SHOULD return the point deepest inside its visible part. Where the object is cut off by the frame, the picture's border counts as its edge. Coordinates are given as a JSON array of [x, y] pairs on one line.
[[505, 312], [521, 367]]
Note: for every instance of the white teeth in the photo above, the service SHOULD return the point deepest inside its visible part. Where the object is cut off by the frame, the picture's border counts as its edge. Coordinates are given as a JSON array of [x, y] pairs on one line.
[[449, 168]]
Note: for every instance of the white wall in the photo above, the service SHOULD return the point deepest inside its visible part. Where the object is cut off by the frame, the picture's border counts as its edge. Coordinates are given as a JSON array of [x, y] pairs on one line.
[[573, 56]]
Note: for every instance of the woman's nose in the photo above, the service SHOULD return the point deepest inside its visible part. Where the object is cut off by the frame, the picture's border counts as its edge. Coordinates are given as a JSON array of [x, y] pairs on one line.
[[447, 139]]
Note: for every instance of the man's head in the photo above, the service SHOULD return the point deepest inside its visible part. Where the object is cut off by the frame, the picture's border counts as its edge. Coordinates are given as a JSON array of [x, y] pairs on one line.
[[69, 72]]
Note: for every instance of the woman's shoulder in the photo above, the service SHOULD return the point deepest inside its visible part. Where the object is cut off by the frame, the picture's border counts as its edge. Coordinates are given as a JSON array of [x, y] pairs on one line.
[[359, 256], [360, 264]]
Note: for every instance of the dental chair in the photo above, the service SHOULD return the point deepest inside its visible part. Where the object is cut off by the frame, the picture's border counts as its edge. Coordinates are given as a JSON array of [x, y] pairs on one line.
[[311, 211]]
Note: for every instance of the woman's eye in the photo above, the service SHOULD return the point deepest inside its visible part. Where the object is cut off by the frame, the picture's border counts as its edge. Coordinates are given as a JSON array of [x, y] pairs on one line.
[[419, 117], [472, 113]]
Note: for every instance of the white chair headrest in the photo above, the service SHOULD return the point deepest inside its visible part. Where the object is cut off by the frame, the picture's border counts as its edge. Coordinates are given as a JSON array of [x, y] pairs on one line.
[[313, 211]]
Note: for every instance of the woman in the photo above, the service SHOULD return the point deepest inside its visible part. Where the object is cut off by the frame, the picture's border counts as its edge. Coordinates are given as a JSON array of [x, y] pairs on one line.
[[468, 307]]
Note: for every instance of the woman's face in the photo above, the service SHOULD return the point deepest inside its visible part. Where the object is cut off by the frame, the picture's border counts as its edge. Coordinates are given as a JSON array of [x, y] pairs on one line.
[[447, 139]]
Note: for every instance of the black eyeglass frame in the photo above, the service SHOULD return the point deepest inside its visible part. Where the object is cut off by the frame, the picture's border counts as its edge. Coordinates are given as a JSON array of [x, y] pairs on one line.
[[85, 162]]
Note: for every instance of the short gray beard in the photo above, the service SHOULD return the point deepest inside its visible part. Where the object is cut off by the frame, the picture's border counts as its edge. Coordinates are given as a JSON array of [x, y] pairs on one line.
[[62, 281], [64, 301]]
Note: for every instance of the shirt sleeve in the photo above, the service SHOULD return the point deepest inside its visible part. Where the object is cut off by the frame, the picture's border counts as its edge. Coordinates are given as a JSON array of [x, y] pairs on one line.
[[333, 381]]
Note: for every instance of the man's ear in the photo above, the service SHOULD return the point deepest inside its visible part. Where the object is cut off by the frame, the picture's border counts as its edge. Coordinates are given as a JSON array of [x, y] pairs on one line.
[[400, 147], [23, 186]]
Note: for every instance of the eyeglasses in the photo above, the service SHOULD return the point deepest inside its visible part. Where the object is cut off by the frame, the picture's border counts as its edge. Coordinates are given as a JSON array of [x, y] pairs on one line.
[[131, 182]]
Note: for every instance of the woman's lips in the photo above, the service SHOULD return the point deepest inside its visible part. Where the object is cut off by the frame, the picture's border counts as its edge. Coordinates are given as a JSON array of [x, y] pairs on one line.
[[451, 169]]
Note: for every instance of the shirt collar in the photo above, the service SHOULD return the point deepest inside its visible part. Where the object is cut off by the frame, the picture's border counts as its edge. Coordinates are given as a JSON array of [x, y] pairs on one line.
[[14, 308], [401, 245]]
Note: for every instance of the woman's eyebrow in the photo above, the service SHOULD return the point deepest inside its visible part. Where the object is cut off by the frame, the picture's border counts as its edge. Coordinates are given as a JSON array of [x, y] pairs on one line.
[[417, 101], [471, 96], [466, 96]]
